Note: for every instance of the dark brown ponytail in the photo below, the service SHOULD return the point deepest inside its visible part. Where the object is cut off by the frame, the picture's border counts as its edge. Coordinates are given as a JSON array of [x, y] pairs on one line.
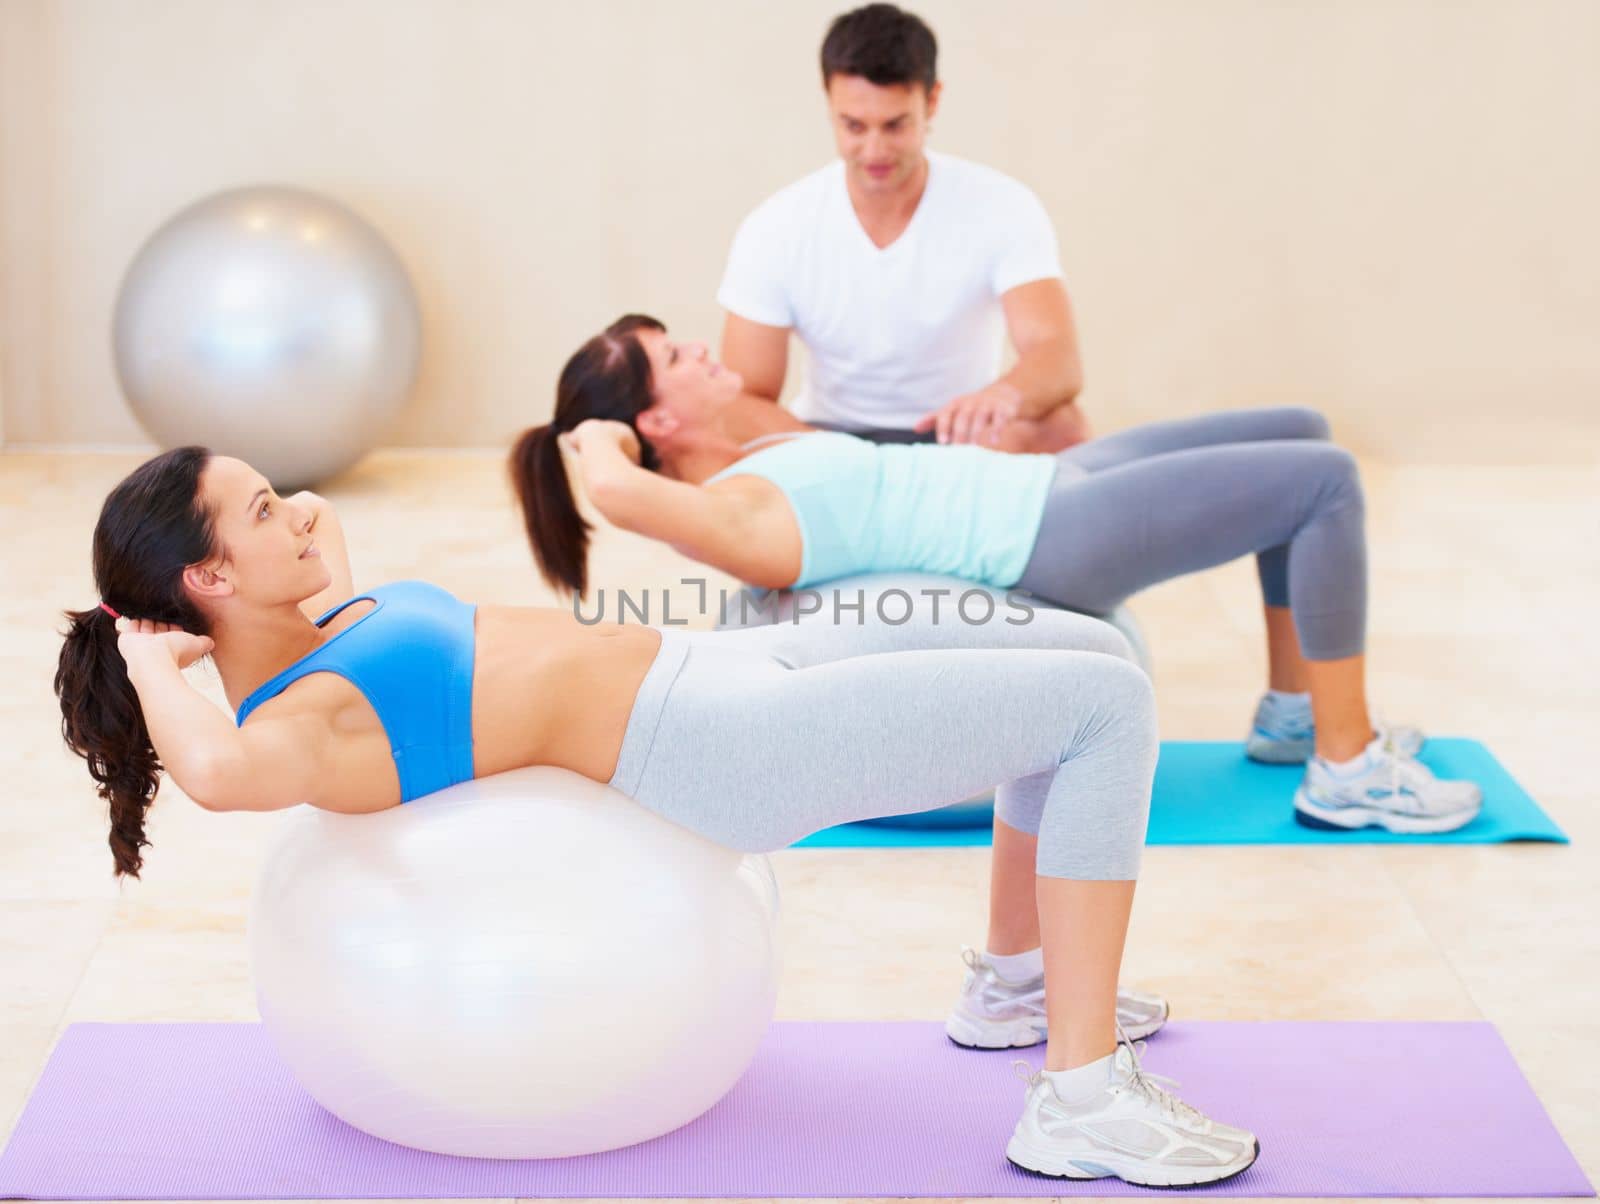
[[151, 528], [608, 377], [558, 534]]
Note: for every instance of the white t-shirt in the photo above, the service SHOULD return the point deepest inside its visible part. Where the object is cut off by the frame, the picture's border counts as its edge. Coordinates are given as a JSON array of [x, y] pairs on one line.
[[891, 334]]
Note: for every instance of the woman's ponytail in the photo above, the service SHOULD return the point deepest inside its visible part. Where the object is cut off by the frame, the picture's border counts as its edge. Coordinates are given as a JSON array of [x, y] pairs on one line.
[[152, 527], [608, 377], [102, 723], [558, 533]]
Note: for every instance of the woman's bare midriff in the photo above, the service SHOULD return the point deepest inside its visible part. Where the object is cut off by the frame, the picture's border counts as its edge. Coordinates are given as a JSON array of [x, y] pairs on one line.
[[546, 690], [549, 690]]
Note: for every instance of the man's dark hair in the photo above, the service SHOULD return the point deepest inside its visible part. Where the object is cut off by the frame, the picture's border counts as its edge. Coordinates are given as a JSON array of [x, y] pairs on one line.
[[883, 44]]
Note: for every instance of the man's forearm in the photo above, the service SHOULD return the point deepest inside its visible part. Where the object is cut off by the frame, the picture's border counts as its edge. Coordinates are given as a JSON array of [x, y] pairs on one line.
[[1046, 377]]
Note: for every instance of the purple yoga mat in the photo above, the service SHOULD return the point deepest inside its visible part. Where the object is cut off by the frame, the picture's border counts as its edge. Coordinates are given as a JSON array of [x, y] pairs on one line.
[[186, 1111]]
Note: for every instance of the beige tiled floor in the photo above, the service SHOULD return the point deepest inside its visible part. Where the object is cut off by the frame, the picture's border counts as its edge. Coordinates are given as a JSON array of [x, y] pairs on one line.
[[1485, 581]]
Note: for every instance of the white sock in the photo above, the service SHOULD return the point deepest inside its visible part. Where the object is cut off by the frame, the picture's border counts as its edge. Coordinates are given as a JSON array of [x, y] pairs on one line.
[[1350, 768], [1017, 967], [1357, 763], [1081, 1082], [1285, 698]]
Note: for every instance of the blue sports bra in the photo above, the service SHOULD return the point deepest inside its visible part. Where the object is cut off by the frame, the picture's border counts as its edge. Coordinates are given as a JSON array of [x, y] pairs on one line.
[[411, 655], [864, 507]]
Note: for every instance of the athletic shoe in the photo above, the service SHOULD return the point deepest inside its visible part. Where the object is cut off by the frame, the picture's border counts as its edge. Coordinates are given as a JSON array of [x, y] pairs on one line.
[[1131, 1129], [1282, 732], [1389, 790], [995, 1014]]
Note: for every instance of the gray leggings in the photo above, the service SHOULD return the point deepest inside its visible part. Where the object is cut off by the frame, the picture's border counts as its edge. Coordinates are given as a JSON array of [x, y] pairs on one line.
[[757, 737], [1152, 503]]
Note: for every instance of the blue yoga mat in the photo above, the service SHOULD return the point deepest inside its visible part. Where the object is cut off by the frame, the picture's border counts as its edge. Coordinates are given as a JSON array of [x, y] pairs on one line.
[[1209, 792]]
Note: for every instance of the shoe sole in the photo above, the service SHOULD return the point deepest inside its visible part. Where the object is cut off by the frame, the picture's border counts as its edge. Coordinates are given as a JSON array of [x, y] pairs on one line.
[[1020, 1156], [1277, 752], [968, 1033], [1351, 819], [1005, 1034]]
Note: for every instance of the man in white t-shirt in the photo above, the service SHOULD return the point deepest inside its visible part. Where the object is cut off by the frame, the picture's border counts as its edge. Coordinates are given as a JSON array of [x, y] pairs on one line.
[[903, 270]]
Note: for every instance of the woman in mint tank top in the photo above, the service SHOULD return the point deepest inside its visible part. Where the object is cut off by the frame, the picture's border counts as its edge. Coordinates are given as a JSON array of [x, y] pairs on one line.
[[665, 445]]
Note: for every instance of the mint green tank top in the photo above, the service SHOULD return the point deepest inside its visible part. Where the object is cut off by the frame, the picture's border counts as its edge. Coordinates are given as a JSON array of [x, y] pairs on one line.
[[865, 507]]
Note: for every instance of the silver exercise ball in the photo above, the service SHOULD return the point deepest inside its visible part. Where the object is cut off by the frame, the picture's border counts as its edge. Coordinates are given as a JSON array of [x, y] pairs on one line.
[[271, 324]]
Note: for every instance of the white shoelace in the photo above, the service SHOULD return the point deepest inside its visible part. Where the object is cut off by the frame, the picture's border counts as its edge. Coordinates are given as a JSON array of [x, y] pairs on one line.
[[1143, 1083], [1408, 777], [1405, 776], [981, 967], [1152, 1086]]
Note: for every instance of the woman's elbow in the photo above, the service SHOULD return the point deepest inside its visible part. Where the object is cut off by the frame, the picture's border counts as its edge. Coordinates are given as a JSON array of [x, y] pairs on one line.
[[612, 499], [211, 780]]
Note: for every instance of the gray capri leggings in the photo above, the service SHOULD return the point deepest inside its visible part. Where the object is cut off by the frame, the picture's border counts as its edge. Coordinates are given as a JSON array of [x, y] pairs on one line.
[[756, 737], [1145, 505], [1152, 503]]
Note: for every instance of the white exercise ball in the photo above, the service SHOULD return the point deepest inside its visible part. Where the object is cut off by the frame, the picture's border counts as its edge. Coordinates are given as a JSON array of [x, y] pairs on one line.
[[530, 965], [272, 324]]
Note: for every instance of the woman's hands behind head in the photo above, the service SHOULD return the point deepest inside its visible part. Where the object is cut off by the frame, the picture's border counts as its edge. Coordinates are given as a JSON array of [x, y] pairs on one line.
[[141, 641], [592, 433]]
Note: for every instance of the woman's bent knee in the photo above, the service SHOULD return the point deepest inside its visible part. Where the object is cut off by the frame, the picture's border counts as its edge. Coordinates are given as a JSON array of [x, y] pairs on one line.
[[1306, 423], [1124, 711], [1134, 696], [1339, 478]]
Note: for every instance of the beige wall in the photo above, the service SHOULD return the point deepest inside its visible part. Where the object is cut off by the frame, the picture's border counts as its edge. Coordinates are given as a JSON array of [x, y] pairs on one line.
[[1383, 208]]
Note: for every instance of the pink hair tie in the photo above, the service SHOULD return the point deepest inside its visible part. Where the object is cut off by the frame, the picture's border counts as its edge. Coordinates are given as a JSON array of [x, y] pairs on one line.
[[109, 611]]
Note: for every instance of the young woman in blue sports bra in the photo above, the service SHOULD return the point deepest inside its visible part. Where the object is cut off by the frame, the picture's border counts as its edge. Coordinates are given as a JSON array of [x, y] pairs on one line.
[[667, 447], [360, 700]]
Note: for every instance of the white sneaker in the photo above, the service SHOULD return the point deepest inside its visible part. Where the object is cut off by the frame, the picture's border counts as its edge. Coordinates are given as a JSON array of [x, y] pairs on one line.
[[1282, 732], [1390, 790], [995, 1014], [1131, 1129]]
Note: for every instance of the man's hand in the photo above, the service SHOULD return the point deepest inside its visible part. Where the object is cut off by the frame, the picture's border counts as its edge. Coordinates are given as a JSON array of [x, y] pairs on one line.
[[979, 417]]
